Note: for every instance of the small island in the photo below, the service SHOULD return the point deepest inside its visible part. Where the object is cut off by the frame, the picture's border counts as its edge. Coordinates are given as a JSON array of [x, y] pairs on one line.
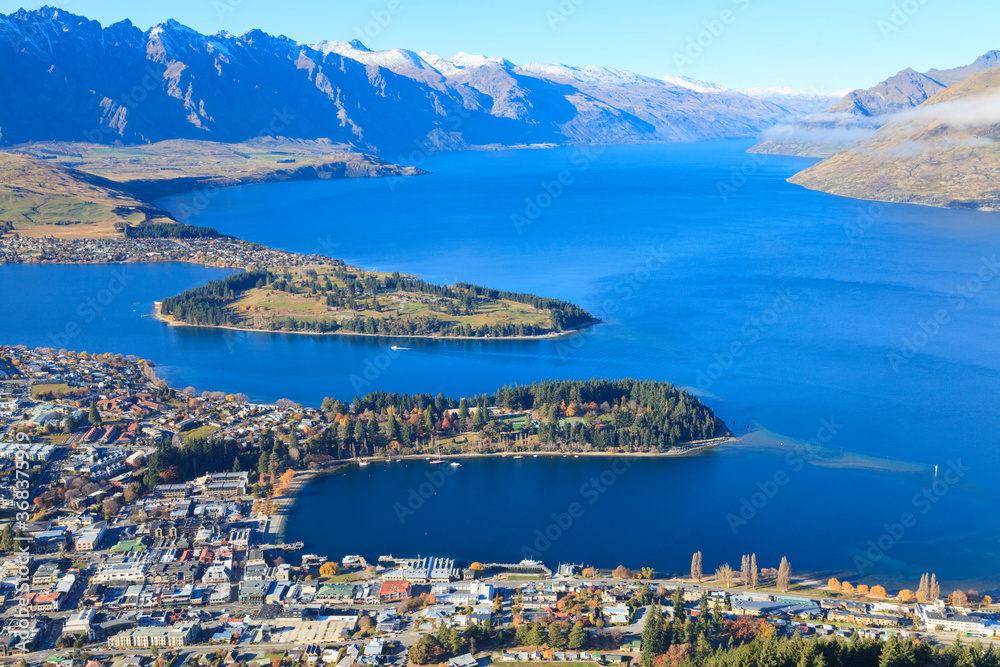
[[337, 299]]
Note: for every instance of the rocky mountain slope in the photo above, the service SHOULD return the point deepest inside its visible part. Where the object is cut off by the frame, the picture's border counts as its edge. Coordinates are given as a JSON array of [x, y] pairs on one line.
[[122, 84], [944, 152], [861, 112]]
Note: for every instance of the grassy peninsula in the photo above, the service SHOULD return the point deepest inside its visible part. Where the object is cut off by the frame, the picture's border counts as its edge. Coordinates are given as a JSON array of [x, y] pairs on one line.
[[341, 299], [82, 191]]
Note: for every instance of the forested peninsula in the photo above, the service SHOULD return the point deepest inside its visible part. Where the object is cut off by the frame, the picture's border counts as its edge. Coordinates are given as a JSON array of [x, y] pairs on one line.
[[334, 298]]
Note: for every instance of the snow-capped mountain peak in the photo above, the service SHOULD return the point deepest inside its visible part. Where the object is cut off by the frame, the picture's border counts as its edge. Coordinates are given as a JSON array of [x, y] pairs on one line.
[[462, 61], [695, 84]]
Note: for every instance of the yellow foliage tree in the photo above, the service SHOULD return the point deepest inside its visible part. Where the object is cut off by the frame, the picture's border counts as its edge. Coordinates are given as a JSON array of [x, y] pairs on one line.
[[878, 592], [589, 573], [905, 595], [847, 587], [833, 584], [863, 589], [328, 569], [477, 566]]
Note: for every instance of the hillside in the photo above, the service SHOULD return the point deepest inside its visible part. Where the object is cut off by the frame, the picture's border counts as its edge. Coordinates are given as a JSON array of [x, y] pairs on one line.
[[43, 198], [72, 190], [122, 84], [946, 152], [859, 113]]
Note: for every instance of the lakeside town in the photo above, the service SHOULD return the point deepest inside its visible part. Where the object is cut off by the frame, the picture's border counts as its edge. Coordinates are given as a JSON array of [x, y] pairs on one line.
[[221, 251], [143, 525]]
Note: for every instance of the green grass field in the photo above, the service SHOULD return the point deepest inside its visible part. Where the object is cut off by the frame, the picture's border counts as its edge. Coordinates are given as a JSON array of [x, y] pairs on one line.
[[257, 307], [199, 432], [57, 390]]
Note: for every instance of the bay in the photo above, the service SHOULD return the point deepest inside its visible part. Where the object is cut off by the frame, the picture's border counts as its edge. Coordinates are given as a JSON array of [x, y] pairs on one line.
[[796, 315]]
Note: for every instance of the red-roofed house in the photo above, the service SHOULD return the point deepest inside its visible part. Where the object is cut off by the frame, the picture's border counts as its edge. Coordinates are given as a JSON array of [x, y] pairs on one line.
[[392, 591]]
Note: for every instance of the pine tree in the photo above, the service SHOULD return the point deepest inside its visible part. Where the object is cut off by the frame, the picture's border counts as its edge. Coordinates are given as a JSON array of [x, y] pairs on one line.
[[557, 638], [678, 602], [717, 617], [236, 465], [702, 649], [536, 637], [653, 643], [577, 637], [690, 632], [703, 619], [7, 538], [93, 416]]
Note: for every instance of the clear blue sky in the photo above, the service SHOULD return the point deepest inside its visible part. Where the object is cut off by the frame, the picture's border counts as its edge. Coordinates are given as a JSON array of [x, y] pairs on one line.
[[798, 43]]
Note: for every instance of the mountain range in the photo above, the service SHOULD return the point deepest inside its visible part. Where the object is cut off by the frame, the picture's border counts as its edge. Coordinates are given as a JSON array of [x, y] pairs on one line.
[[859, 113], [122, 84], [943, 152]]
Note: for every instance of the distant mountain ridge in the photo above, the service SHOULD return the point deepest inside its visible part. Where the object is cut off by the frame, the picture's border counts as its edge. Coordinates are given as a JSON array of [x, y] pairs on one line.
[[861, 112], [944, 152], [122, 84]]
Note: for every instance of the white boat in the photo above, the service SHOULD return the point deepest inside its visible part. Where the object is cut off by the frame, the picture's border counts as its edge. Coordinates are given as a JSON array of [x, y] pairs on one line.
[[362, 463], [518, 457], [438, 459], [455, 464]]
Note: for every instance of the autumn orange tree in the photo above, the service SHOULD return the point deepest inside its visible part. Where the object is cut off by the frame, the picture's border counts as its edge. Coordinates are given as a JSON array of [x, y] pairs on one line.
[[878, 592], [622, 572], [847, 587], [905, 595], [863, 589], [833, 584]]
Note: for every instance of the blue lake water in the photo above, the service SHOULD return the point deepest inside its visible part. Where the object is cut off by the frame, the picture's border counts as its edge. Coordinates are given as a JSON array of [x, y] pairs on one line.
[[795, 314]]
